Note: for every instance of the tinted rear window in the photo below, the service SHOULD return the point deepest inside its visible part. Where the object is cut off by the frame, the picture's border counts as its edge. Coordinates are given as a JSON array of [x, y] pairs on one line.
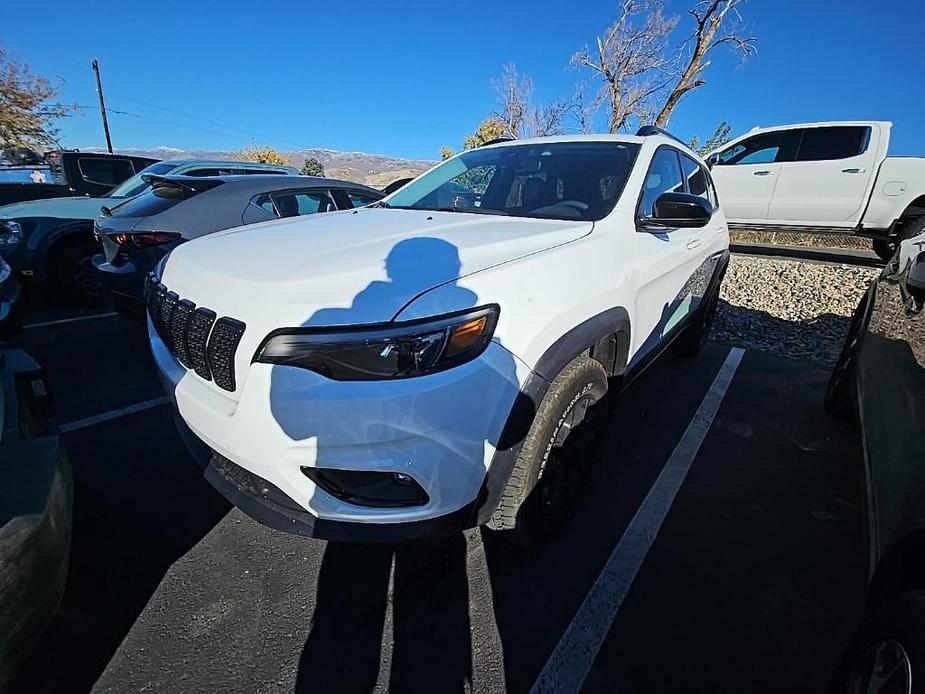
[[160, 198], [104, 171], [834, 142]]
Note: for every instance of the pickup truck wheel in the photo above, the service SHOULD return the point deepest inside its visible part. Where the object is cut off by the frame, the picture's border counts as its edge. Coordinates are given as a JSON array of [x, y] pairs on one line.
[[556, 457], [887, 654], [72, 273], [885, 248], [838, 400]]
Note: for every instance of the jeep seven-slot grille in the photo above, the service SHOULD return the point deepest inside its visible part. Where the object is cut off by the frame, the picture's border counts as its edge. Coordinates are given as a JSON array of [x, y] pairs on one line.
[[195, 335]]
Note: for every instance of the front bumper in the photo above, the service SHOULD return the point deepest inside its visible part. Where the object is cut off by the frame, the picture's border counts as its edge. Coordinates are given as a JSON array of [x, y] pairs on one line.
[[440, 429]]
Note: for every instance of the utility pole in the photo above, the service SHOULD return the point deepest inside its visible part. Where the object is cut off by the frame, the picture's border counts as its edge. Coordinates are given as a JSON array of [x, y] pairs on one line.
[[99, 90]]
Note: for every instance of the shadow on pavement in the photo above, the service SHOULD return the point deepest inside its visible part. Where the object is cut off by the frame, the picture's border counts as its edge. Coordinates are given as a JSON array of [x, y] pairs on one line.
[[136, 511], [430, 649]]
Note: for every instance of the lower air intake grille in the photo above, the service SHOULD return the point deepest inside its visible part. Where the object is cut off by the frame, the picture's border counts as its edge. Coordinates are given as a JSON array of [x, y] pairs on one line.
[[194, 336]]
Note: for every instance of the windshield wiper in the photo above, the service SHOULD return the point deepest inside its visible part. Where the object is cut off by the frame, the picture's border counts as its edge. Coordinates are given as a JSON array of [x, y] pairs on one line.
[[471, 210]]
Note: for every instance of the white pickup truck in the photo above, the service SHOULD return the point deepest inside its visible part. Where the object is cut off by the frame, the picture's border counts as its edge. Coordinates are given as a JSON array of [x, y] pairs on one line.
[[832, 176]]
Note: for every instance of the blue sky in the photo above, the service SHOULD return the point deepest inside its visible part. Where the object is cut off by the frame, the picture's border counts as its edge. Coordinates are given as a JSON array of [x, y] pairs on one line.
[[403, 78]]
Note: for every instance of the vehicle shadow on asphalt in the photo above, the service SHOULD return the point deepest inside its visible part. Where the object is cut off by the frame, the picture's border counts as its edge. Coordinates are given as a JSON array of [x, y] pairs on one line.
[[136, 511], [345, 649]]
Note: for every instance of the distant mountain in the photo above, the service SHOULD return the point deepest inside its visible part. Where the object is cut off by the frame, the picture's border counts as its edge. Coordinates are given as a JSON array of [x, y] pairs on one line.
[[376, 170]]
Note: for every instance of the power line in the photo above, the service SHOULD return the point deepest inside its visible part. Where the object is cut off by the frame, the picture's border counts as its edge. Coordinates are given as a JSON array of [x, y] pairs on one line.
[[209, 121]]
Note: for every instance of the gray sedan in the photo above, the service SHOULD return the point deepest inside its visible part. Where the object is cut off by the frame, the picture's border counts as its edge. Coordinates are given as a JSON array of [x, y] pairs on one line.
[[136, 234]]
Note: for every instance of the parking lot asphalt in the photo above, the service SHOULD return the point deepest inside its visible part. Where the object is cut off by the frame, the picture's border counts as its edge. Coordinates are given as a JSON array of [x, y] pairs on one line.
[[753, 583]]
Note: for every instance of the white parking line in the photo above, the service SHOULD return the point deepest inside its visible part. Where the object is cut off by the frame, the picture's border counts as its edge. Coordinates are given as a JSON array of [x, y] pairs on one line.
[[113, 414], [47, 323], [573, 656]]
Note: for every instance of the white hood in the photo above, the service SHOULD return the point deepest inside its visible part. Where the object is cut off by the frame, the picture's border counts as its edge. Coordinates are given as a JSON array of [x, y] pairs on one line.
[[348, 267]]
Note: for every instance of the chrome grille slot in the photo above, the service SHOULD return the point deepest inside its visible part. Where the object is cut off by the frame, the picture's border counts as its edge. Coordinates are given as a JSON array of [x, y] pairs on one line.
[[196, 338], [222, 345]]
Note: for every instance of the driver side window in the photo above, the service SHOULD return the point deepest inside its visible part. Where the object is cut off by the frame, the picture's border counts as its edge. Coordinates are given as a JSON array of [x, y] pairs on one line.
[[664, 176]]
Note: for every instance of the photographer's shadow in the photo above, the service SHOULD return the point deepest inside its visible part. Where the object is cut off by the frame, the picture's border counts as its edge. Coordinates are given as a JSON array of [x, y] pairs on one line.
[[431, 647]]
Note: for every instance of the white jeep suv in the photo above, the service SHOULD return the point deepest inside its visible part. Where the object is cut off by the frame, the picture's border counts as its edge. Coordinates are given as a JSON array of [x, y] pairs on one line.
[[438, 360]]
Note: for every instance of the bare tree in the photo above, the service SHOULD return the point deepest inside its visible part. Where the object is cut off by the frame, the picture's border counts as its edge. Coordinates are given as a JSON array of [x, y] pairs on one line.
[[519, 113], [717, 23], [514, 92], [632, 60]]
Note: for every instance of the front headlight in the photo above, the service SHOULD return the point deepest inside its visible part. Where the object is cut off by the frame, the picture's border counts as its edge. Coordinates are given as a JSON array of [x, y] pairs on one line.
[[385, 351], [10, 234]]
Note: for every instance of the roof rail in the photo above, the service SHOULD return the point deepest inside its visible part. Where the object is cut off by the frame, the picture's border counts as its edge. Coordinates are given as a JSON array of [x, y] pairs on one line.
[[655, 130], [496, 141]]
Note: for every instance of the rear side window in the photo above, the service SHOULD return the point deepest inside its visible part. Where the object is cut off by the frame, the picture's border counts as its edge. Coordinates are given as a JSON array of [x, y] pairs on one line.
[[360, 199], [833, 142], [107, 172], [160, 198], [297, 203], [261, 171], [209, 172], [664, 176]]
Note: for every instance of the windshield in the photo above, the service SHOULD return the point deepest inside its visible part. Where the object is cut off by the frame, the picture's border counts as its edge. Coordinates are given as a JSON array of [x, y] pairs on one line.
[[131, 187], [556, 180]]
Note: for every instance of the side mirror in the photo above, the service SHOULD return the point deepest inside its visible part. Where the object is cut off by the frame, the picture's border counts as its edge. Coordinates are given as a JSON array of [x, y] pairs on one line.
[[711, 160], [679, 210]]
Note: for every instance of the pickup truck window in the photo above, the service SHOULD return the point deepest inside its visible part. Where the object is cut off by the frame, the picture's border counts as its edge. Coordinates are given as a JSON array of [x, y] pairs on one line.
[[104, 171], [763, 148], [833, 142]]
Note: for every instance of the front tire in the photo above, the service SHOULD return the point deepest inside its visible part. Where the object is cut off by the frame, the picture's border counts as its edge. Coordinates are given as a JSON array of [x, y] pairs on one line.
[[887, 654], [556, 457]]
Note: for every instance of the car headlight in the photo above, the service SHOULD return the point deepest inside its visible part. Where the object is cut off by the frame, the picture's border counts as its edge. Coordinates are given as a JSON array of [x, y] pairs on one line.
[[10, 234], [384, 351]]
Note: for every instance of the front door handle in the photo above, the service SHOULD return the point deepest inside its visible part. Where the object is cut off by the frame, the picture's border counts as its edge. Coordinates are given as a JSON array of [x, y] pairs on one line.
[[853, 170], [692, 244], [764, 173]]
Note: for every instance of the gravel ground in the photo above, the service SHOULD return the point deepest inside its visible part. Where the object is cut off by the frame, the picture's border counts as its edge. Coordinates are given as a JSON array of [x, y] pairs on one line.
[[795, 309], [828, 240]]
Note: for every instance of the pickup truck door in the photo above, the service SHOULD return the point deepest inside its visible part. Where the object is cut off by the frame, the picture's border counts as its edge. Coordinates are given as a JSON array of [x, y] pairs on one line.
[[747, 172], [829, 180], [671, 261]]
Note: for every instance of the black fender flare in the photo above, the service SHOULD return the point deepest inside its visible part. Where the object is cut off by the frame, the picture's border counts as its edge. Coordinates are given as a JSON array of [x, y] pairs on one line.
[[607, 334]]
